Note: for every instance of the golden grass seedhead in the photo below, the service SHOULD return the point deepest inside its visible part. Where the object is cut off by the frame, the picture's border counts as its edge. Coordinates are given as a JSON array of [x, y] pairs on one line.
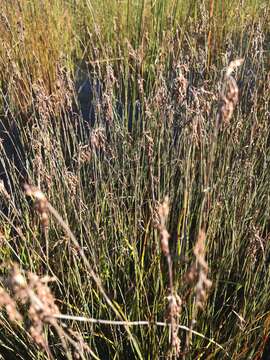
[[203, 284], [18, 279], [164, 241], [163, 212], [10, 305], [230, 94], [174, 308], [192, 274], [199, 249], [34, 192], [98, 139], [229, 101], [41, 203], [233, 65], [173, 314]]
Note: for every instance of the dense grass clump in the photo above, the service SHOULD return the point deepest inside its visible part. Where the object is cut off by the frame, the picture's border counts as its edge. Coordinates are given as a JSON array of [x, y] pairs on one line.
[[135, 179]]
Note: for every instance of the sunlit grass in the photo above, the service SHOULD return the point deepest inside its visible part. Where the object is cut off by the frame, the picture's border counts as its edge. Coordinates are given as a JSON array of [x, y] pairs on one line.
[[158, 69]]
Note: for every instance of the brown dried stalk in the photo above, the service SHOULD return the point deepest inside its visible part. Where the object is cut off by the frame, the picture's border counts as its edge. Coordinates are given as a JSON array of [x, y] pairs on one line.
[[227, 104], [33, 292], [42, 203], [198, 272], [174, 307], [203, 283], [135, 323], [229, 95]]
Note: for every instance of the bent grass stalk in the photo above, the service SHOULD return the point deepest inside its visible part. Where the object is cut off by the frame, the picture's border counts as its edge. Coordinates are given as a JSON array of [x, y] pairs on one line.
[[136, 323], [44, 207]]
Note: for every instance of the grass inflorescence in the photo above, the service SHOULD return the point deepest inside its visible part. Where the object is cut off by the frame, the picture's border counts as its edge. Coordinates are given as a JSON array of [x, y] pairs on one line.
[[134, 179]]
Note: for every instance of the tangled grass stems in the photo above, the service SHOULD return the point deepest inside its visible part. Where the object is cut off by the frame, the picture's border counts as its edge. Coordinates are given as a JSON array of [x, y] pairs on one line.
[[155, 71], [44, 208], [39, 305], [227, 104]]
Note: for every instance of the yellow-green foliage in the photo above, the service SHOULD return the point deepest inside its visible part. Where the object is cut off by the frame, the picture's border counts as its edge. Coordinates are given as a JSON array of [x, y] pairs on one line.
[[167, 120], [39, 37]]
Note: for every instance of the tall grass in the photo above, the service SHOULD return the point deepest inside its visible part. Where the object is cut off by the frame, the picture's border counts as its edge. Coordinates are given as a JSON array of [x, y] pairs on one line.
[[158, 70]]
